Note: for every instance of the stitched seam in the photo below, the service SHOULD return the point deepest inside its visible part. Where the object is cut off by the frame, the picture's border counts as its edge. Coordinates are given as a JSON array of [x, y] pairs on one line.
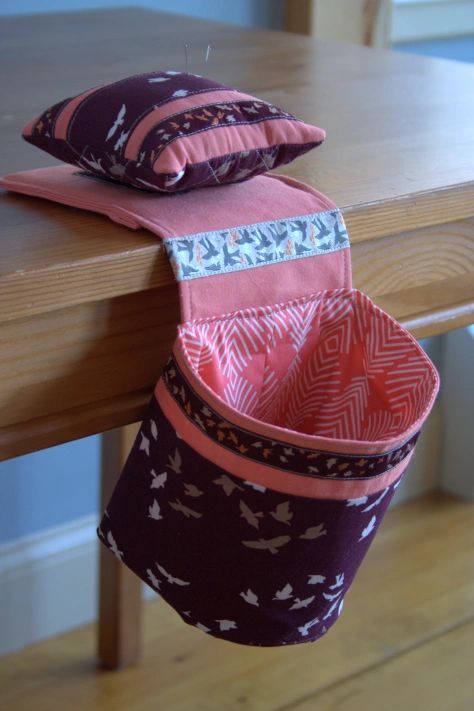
[[283, 114], [277, 260], [283, 442], [307, 217], [148, 111], [210, 128], [107, 86]]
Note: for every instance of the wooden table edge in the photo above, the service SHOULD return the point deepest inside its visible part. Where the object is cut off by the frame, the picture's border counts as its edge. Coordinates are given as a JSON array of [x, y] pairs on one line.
[[22, 293]]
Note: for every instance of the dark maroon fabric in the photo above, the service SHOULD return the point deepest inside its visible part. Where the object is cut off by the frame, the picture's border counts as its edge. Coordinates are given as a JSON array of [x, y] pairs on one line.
[[104, 120], [94, 116], [214, 545]]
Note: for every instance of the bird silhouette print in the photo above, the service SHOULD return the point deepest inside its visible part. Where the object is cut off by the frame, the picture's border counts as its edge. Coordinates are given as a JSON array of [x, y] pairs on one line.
[[376, 502], [285, 593], [251, 517], [368, 529], [192, 490], [186, 246], [145, 444], [314, 532], [225, 625], [118, 122], [121, 140], [257, 487], [298, 604], [185, 510], [282, 513], [272, 545], [153, 579], [154, 511], [158, 480], [211, 251], [333, 607], [202, 627], [304, 629], [250, 597], [228, 486], [328, 596], [323, 231], [339, 581], [154, 430], [174, 463], [360, 501], [316, 579], [340, 236], [113, 546], [230, 258], [170, 578]]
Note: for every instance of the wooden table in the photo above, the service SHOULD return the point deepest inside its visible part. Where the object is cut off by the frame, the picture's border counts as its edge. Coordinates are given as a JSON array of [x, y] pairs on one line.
[[88, 309]]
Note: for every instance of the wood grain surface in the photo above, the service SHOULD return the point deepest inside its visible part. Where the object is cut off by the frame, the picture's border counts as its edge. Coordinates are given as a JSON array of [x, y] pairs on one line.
[[403, 641], [88, 308]]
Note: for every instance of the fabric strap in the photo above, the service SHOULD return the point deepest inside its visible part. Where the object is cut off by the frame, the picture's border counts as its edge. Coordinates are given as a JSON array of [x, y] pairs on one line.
[[255, 243]]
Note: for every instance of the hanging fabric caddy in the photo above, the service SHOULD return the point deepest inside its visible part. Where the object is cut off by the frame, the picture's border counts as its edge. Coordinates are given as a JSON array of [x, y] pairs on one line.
[[289, 408]]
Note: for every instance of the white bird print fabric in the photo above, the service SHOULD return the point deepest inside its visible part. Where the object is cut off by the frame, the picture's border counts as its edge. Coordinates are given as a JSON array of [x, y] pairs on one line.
[[250, 538], [206, 539]]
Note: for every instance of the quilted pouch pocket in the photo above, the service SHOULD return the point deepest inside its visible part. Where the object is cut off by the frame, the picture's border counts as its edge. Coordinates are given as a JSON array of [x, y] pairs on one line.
[[271, 449]]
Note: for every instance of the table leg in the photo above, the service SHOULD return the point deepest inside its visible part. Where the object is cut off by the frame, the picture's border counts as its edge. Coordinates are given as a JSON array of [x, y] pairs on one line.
[[119, 629]]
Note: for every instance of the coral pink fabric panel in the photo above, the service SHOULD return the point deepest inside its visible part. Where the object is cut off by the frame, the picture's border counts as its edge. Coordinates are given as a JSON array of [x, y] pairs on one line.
[[264, 204], [332, 364]]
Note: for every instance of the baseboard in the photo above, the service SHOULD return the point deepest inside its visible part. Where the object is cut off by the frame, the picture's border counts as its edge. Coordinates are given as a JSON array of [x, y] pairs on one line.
[[48, 583]]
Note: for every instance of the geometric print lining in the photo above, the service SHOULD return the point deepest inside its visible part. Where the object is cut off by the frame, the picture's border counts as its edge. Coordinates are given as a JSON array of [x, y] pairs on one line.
[[301, 460], [331, 364]]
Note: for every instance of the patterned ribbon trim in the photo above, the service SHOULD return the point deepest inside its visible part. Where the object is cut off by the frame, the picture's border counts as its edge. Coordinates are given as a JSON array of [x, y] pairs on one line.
[[304, 461], [248, 246]]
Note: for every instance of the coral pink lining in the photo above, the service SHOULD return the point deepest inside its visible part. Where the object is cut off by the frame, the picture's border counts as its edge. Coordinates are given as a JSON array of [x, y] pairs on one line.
[[223, 140], [275, 479], [282, 434], [384, 400], [186, 103]]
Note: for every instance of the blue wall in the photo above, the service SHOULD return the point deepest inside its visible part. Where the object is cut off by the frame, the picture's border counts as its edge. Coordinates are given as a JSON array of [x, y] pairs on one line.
[[49, 487], [258, 13], [62, 483]]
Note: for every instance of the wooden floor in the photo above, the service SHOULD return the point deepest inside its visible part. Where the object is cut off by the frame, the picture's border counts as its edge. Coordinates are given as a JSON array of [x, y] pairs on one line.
[[410, 649]]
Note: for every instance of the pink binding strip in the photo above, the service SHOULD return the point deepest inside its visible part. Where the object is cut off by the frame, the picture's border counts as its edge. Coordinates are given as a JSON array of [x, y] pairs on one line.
[[62, 122], [179, 105], [284, 482], [225, 139], [28, 130]]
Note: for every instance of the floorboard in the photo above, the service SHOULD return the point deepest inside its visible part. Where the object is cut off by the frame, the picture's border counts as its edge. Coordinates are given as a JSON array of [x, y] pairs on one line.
[[407, 626]]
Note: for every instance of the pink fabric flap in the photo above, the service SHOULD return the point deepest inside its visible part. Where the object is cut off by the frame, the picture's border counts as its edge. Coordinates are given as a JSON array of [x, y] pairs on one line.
[[263, 199]]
